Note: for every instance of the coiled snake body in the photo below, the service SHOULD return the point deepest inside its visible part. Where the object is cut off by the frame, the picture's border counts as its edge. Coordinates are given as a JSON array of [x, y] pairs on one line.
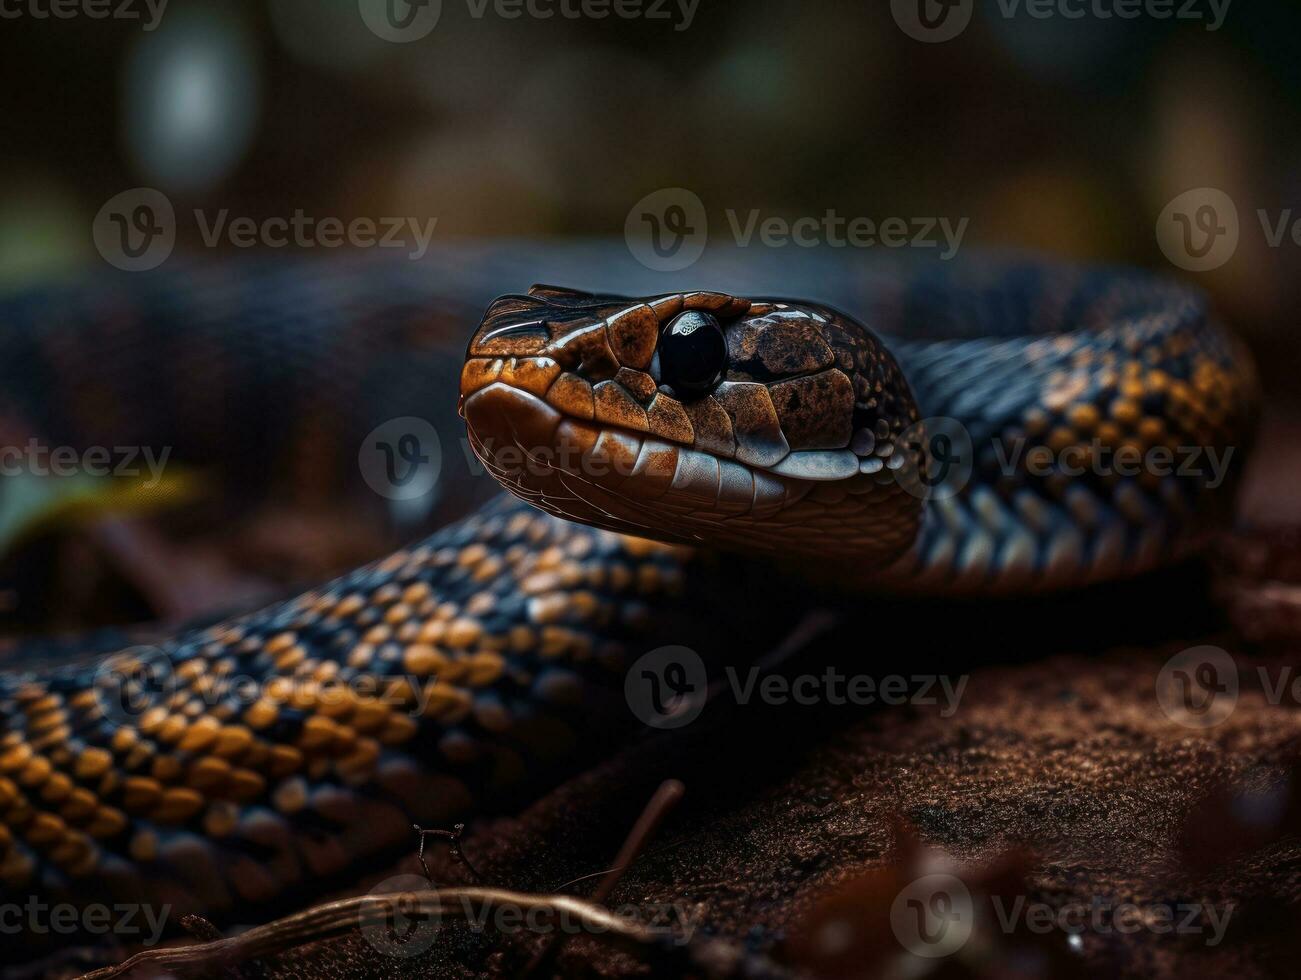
[[999, 428]]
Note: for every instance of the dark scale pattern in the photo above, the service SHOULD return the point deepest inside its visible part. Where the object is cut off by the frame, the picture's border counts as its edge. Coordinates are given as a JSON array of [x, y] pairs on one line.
[[1053, 371], [260, 376], [284, 746]]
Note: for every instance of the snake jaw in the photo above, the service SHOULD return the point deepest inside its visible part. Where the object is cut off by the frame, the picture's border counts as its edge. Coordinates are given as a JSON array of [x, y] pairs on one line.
[[566, 406]]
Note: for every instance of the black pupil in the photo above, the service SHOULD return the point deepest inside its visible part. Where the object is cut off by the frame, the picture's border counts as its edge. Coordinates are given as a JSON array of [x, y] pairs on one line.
[[693, 353]]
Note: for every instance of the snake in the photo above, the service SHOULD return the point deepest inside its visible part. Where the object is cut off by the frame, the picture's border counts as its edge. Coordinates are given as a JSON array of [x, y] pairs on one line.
[[990, 429]]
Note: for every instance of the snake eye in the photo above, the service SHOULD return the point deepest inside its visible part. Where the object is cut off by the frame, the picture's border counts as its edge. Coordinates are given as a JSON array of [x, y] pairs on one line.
[[693, 353]]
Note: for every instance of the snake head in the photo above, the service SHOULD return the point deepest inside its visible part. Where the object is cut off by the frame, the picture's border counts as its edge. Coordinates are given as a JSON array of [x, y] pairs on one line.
[[700, 418]]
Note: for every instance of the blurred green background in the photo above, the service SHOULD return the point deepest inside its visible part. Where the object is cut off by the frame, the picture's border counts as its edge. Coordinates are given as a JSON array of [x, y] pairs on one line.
[[1068, 135]]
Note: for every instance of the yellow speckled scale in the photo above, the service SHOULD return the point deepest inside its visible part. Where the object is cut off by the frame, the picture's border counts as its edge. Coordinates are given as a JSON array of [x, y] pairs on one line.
[[443, 658]]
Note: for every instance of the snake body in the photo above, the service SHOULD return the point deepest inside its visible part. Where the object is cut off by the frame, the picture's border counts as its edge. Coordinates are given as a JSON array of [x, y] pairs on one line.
[[293, 745]]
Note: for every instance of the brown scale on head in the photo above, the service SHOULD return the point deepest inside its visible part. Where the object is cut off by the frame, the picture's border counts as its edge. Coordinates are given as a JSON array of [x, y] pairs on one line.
[[757, 426]]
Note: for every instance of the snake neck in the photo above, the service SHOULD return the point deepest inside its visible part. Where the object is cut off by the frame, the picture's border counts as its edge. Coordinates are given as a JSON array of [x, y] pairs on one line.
[[1061, 461]]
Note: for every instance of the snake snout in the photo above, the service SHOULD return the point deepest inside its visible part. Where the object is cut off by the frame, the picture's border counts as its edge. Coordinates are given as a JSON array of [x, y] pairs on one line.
[[509, 327], [501, 415]]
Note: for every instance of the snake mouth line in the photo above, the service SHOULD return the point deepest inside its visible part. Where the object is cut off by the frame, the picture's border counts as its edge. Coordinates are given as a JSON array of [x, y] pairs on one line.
[[526, 441], [547, 399]]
